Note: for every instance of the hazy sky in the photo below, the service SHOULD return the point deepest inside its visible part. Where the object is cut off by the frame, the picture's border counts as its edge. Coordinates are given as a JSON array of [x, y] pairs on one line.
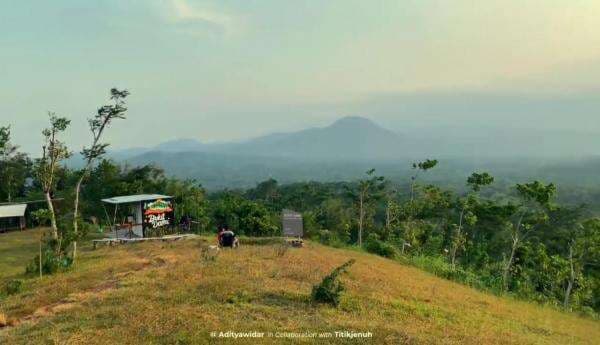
[[227, 70]]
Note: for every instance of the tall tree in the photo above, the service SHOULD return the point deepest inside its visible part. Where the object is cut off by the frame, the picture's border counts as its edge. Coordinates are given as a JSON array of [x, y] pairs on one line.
[[366, 191], [7, 150], [392, 212], [536, 200], [466, 214], [583, 249], [53, 152], [103, 118], [420, 167]]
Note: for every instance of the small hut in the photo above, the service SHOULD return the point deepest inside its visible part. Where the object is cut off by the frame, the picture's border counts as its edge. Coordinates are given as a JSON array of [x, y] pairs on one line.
[[136, 215], [12, 217]]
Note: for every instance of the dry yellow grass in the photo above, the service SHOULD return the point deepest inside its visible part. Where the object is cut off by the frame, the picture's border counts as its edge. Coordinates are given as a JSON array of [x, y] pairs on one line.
[[157, 293]]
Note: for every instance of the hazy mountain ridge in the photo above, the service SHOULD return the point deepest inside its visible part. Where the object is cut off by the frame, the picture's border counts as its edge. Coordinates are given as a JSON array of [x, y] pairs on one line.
[[348, 147]]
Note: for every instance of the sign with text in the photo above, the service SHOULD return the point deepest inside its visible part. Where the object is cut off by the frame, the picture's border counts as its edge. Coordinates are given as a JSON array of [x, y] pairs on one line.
[[292, 224], [158, 213]]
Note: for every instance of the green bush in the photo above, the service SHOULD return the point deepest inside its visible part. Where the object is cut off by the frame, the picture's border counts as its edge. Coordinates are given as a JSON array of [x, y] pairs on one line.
[[51, 263], [330, 238], [261, 241], [376, 246], [330, 289], [12, 287]]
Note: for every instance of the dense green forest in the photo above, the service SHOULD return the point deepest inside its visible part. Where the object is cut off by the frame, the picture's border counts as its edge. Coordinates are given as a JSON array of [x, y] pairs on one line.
[[516, 239]]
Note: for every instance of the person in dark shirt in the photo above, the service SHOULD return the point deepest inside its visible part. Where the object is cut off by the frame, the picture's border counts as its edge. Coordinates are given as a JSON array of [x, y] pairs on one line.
[[227, 238]]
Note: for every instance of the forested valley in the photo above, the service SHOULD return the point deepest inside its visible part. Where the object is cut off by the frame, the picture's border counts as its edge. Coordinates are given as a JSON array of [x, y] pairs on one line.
[[506, 239]]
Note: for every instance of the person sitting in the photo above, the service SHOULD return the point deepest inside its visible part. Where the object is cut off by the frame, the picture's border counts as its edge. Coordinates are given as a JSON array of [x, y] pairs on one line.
[[185, 223], [227, 238], [219, 234]]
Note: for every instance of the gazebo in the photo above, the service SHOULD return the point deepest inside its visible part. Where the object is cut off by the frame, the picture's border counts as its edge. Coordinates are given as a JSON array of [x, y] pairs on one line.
[[12, 217], [143, 212]]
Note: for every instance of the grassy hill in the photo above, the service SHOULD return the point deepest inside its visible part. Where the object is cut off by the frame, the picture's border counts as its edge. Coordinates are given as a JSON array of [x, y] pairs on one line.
[[168, 293]]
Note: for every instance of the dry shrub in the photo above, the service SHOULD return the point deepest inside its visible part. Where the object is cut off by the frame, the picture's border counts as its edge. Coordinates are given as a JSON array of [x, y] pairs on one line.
[[281, 249]]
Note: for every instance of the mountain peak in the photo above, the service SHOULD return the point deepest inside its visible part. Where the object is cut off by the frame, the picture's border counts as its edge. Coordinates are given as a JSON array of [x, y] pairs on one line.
[[354, 121]]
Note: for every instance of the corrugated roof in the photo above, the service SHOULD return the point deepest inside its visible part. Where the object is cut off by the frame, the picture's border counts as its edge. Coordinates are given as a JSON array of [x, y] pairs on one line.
[[134, 198], [16, 210]]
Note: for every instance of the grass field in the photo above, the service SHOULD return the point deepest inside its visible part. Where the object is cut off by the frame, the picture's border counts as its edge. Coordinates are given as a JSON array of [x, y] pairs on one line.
[[17, 249], [169, 293]]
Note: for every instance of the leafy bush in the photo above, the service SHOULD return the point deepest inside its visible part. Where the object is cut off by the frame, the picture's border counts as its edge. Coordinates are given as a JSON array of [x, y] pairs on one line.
[[12, 287], [51, 262], [330, 289], [376, 246], [330, 238]]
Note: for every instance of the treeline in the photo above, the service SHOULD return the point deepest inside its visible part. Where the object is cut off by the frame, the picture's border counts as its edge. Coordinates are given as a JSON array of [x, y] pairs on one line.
[[521, 242]]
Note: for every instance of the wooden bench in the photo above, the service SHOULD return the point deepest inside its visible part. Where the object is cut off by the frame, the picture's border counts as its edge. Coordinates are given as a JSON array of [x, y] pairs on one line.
[[111, 241]]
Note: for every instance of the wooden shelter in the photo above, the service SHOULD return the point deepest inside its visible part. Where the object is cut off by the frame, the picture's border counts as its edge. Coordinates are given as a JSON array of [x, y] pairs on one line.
[[12, 217]]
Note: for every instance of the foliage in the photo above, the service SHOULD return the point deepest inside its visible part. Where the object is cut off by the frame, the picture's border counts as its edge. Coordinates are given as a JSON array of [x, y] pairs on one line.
[[15, 168], [374, 245], [330, 289], [246, 217], [484, 233], [12, 286], [51, 262]]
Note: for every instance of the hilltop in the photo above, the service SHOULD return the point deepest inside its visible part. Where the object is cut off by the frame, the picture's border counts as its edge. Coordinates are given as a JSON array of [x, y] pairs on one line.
[[170, 293]]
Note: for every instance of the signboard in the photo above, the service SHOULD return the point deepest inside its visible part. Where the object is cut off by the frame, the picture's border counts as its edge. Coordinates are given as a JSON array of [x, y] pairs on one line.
[[292, 224], [158, 214]]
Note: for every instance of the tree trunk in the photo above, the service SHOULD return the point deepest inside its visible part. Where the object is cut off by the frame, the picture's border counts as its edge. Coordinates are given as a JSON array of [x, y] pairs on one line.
[[571, 278], [9, 188], [509, 263], [52, 215], [76, 216], [361, 216], [388, 220], [457, 239]]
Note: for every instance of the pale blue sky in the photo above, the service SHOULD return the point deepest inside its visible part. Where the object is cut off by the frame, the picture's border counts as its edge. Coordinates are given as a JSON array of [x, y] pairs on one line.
[[228, 70]]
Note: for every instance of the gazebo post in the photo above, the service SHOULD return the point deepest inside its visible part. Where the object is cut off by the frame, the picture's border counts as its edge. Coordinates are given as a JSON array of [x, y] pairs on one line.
[[115, 221]]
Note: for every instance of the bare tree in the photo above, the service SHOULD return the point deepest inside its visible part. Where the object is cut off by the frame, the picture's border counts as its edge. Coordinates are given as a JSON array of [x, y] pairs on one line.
[[97, 149]]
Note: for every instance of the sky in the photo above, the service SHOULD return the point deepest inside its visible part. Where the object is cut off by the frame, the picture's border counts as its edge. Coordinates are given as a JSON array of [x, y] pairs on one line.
[[233, 69]]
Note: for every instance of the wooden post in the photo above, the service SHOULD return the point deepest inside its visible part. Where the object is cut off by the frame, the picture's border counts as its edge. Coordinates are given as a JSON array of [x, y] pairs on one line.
[[115, 221], [40, 263]]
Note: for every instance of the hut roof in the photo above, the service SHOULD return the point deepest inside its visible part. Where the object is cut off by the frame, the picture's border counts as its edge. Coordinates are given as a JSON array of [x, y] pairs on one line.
[[126, 199], [15, 210]]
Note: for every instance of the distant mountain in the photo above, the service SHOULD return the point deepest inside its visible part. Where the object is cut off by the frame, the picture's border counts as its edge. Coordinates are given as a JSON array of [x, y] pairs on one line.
[[180, 145], [348, 147], [350, 138]]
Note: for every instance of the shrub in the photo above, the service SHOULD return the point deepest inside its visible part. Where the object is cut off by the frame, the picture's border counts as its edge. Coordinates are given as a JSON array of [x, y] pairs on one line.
[[376, 246], [281, 249], [51, 262], [261, 241], [12, 287], [330, 289]]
